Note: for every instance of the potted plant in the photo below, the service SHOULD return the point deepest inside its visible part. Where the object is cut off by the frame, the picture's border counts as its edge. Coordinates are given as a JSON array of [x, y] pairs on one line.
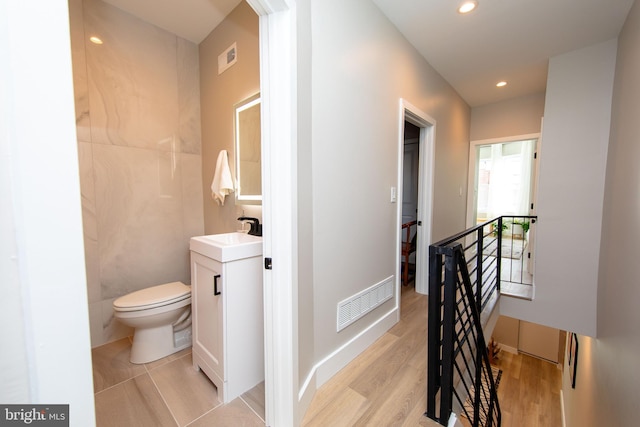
[[523, 227], [494, 228]]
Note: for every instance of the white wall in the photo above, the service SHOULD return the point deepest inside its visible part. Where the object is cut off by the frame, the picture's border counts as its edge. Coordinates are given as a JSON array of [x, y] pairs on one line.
[[306, 347], [219, 95], [138, 126], [571, 191], [608, 380], [516, 116], [41, 201], [361, 68]]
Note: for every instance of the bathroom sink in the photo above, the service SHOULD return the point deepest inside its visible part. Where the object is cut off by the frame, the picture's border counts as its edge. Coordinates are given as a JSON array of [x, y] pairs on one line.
[[227, 246]]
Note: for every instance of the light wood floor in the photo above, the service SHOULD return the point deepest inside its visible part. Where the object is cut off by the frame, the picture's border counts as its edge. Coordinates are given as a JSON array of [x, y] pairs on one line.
[[529, 391], [385, 385]]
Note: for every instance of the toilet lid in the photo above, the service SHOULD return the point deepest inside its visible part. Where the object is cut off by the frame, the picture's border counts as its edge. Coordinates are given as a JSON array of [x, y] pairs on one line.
[[154, 296]]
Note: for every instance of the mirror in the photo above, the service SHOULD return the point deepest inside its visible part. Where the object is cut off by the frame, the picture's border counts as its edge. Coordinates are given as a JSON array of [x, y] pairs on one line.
[[248, 151]]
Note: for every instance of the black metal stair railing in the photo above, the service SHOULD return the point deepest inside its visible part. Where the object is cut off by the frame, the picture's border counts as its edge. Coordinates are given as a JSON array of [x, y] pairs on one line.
[[464, 286]]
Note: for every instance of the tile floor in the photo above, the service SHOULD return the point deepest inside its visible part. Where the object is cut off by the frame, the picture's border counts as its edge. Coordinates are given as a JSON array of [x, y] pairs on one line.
[[516, 290], [167, 392], [516, 281], [515, 270]]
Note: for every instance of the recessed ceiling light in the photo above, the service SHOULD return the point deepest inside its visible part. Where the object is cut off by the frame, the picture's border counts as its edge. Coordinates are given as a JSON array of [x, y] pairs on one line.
[[501, 84], [467, 6], [95, 40]]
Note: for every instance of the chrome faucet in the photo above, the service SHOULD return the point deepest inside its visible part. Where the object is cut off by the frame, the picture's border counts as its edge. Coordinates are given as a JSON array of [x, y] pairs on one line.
[[256, 227]]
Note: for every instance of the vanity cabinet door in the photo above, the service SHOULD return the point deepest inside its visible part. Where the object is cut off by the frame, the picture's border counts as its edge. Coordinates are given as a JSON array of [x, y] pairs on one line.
[[208, 316], [228, 323]]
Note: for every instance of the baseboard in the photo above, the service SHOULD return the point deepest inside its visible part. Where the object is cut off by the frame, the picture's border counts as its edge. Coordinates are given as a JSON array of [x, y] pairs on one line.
[[564, 421], [330, 365], [508, 349], [454, 421], [305, 396]]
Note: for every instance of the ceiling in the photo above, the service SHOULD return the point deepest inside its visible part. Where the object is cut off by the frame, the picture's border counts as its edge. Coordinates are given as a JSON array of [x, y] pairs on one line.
[[190, 19], [509, 40]]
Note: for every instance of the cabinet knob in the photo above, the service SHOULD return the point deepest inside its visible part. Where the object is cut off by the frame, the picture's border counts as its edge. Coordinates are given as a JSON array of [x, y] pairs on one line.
[[215, 285]]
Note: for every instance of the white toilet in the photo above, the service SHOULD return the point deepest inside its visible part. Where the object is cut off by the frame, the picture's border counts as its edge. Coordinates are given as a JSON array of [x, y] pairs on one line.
[[161, 316]]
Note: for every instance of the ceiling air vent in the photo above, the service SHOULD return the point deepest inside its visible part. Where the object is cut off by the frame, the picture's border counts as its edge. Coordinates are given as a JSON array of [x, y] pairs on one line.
[[227, 58]]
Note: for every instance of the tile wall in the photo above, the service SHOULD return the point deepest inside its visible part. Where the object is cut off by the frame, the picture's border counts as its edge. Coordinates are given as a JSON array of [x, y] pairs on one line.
[[139, 143]]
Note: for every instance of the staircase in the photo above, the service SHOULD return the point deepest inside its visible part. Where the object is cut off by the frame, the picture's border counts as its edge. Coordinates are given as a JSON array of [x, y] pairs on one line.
[[464, 288]]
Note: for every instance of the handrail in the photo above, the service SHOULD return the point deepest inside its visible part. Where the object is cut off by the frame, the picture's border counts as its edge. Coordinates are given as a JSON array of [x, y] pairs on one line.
[[461, 291], [448, 240]]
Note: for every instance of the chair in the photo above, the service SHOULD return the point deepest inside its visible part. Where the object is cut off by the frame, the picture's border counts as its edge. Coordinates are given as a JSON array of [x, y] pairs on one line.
[[408, 246]]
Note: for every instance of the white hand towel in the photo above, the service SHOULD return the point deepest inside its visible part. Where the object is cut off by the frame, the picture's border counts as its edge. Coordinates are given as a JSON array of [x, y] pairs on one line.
[[222, 183]]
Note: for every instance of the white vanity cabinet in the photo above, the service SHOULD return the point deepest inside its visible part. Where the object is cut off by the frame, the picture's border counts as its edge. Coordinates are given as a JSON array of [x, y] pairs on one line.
[[228, 331]]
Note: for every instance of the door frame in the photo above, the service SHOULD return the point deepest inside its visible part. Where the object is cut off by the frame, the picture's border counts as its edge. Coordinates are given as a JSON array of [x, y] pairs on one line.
[[473, 190], [277, 41], [426, 170]]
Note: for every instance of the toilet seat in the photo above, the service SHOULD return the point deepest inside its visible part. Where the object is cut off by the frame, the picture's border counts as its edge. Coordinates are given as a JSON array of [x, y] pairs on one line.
[[153, 297]]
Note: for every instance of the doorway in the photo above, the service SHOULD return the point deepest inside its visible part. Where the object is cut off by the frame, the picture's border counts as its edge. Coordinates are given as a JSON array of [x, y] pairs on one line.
[[502, 174], [416, 154], [410, 185]]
